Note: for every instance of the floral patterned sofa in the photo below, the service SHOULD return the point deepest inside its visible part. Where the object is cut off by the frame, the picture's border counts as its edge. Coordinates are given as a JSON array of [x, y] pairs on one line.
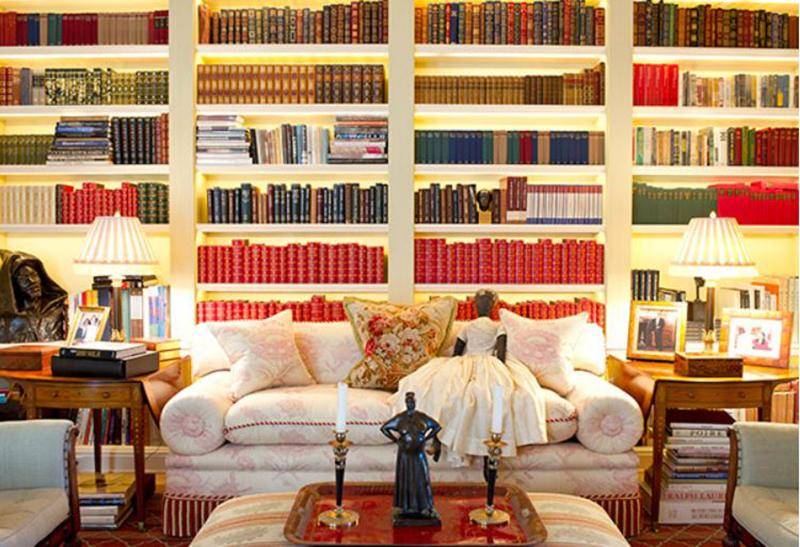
[[276, 440]]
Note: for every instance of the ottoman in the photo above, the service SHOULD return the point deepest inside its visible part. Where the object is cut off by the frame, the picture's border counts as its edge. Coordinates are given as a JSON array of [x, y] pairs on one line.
[[259, 520]]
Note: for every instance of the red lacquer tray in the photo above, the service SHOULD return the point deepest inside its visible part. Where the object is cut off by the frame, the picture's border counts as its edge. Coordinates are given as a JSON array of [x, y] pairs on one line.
[[373, 502]]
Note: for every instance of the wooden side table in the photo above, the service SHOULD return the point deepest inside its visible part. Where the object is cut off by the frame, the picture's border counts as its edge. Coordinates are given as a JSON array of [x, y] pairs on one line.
[[656, 388], [40, 389]]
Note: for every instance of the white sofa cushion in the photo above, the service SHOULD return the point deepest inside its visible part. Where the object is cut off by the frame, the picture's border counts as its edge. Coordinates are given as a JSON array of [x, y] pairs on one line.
[[561, 418], [590, 350], [329, 349], [306, 415], [609, 420], [27, 516]]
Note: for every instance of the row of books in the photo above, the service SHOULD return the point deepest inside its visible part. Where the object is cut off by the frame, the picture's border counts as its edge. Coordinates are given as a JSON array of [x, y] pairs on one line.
[[508, 262], [83, 29], [291, 84], [645, 285], [749, 203], [65, 204], [313, 262], [510, 147], [581, 88], [344, 203], [515, 202], [318, 309], [559, 22], [144, 306], [670, 25], [24, 149], [354, 22], [716, 146], [660, 85], [82, 86]]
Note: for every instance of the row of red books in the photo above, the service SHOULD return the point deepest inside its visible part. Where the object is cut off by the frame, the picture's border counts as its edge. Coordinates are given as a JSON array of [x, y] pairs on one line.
[[508, 262], [655, 85], [539, 309], [313, 262], [770, 146], [770, 203]]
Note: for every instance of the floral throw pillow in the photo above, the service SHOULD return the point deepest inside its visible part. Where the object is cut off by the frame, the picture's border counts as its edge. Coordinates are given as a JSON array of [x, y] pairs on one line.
[[396, 340], [545, 347]]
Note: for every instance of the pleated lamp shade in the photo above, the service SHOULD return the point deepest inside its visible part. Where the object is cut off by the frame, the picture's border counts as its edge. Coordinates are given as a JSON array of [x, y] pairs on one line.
[[116, 246], [713, 248]]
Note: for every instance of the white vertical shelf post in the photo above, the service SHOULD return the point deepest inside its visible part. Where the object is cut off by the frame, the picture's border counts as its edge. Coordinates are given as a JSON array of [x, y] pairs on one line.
[[618, 198], [401, 151], [182, 39]]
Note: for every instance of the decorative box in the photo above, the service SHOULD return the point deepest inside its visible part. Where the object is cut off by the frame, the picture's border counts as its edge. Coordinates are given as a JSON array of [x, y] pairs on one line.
[[28, 357], [708, 365]]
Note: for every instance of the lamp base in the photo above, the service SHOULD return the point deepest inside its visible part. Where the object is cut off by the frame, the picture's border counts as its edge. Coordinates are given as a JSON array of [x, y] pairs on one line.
[[338, 518], [486, 516]]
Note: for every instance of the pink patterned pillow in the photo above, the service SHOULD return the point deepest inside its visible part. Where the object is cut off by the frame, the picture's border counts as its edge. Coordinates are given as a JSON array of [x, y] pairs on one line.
[[261, 352], [545, 347]]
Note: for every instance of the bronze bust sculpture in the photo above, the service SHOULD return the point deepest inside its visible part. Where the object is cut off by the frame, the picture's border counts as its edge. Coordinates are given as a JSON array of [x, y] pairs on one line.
[[413, 495], [33, 307]]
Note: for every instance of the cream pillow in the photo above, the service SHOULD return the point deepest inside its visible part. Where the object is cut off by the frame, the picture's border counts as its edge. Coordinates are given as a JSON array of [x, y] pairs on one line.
[[545, 347], [590, 350], [261, 353]]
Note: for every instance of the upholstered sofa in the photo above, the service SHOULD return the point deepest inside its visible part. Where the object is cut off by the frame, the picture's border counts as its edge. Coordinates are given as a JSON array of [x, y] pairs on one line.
[[276, 440]]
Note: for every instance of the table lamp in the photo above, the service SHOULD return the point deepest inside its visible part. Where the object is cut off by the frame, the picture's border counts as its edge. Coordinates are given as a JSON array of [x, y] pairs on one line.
[[712, 248], [116, 247]]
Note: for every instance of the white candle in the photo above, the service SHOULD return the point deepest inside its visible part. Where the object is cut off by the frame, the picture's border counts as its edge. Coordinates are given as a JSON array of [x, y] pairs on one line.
[[497, 409], [341, 410]]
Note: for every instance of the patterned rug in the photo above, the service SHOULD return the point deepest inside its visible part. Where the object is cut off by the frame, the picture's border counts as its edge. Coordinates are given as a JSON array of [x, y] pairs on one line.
[[668, 536]]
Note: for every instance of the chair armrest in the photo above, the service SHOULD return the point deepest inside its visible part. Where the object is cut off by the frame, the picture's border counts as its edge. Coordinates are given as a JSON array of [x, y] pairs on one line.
[[193, 421], [36, 454], [609, 420], [767, 454]]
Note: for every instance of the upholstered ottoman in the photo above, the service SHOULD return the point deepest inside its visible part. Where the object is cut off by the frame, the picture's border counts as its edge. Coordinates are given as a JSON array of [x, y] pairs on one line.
[[259, 520]]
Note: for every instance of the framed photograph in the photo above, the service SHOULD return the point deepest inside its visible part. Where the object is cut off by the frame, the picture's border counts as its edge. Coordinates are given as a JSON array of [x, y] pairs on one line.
[[88, 325], [759, 337], [656, 330]]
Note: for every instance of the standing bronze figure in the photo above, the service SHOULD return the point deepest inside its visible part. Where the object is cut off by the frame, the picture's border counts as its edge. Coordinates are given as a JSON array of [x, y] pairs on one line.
[[413, 495]]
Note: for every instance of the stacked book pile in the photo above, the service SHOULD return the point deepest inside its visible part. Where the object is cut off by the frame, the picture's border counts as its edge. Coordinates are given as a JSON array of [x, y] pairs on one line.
[[105, 507], [104, 360], [513, 262], [313, 262], [695, 474], [222, 139], [290, 144], [81, 141], [168, 349], [359, 139], [24, 149], [344, 203], [538, 309], [318, 309]]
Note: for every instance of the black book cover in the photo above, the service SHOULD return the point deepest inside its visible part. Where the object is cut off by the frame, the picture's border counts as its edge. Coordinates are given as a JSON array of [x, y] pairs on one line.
[[105, 368]]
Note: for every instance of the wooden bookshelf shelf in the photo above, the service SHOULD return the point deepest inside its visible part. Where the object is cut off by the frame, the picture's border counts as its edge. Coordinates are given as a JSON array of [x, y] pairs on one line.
[[714, 55], [504, 52], [69, 229], [380, 169], [701, 114], [253, 110], [678, 229], [291, 50], [292, 229], [87, 170], [85, 52], [82, 110], [508, 170], [296, 288], [509, 229], [714, 173], [521, 288], [525, 110]]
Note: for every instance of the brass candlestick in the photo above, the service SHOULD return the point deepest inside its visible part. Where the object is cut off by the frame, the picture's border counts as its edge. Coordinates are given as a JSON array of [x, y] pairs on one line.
[[489, 516], [339, 517]]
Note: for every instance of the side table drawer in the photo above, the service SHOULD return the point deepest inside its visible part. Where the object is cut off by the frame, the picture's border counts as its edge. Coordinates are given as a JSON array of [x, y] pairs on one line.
[[90, 396], [716, 396]]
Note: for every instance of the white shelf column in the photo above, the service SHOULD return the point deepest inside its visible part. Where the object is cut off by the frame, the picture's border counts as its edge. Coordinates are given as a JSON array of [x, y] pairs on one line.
[[618, 198]]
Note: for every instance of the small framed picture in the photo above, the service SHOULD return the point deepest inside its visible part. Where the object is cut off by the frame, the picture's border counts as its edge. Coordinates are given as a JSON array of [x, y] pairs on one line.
[[656, 330], [759, 337], [88, 325]]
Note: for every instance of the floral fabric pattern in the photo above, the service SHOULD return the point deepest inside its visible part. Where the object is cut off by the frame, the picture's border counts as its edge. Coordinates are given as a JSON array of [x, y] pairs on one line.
[[396, 340]]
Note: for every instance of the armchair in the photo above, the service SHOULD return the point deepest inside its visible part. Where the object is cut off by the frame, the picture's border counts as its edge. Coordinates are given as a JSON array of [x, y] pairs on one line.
[[38, 483], [761, 499]]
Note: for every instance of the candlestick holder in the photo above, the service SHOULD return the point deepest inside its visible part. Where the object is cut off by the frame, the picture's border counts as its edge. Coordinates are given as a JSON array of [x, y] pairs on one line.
[[339, 517], [489, 516]]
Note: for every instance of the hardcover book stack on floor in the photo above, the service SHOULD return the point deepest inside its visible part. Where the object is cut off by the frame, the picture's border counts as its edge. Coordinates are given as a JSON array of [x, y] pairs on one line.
[[105, 507]]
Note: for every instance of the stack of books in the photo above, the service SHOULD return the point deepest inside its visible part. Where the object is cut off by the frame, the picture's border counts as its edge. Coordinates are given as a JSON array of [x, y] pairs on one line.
[[105, 507], [81, 140], [222, 139], [359, 139], [695, 474], [168, 349], [104, 360]]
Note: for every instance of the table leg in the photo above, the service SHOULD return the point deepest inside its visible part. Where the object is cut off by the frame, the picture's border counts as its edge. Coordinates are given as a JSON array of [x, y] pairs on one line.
[[765, 410], [97, 433], [138, 440], [659, 429]]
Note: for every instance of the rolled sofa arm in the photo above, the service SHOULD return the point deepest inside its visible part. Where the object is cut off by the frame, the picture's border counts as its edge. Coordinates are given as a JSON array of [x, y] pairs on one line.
[[193, 421], [609, 420], [33, 454], [767, 454]]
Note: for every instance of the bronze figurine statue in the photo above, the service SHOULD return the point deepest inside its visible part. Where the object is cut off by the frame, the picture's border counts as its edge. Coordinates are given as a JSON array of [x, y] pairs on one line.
[[413, 495], [33, 307]]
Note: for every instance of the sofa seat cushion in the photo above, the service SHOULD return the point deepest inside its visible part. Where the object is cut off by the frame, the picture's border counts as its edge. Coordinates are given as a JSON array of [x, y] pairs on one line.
[[305, 415], [27, 516], [561, 417], [769, 514]]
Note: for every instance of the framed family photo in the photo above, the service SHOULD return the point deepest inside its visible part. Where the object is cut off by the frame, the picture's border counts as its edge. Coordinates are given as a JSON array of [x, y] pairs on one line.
[[759, 337], [656, 330], [88, 325]]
